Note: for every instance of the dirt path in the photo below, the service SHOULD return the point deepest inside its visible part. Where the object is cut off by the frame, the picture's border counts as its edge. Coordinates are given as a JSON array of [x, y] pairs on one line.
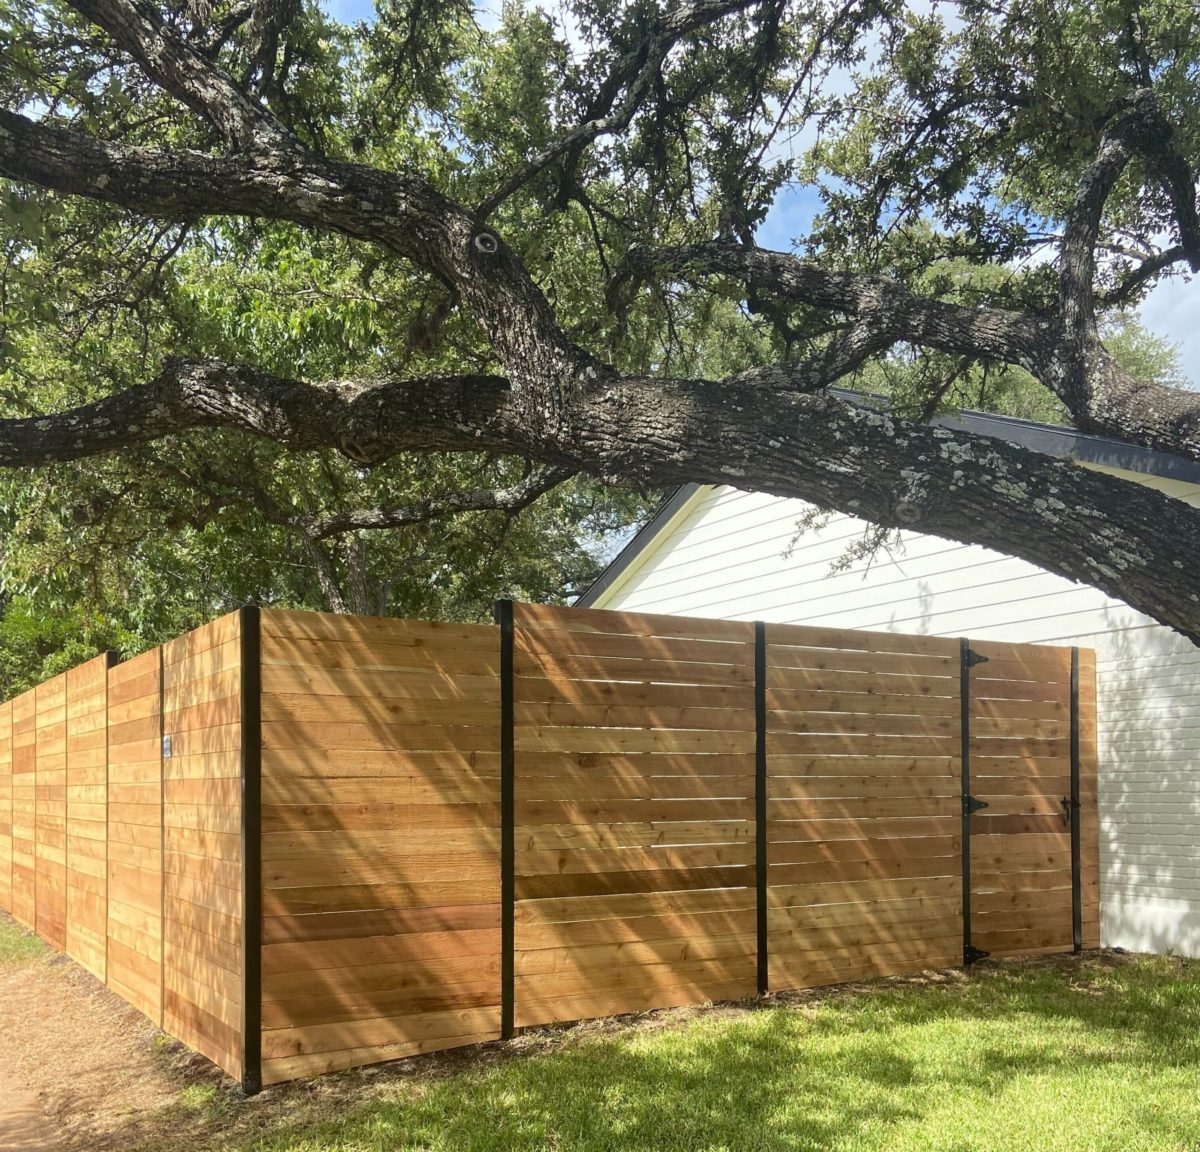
[[97, 1070], [23, 1124]]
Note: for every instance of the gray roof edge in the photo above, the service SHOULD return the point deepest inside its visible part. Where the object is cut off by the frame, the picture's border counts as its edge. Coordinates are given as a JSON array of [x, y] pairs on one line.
[[1054, 440], [1068, 443], [1049, 439], [647, 533]]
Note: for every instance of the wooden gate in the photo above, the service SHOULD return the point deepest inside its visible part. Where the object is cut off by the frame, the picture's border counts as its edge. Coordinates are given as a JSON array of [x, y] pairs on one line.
[[926, 800], [864, 855], [1029, 809]]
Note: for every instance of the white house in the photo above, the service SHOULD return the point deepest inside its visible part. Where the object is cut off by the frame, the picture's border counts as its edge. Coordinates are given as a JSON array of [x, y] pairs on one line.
[[720, 552]]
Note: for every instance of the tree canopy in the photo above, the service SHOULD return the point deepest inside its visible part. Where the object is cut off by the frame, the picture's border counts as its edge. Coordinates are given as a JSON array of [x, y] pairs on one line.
[[272, 283]]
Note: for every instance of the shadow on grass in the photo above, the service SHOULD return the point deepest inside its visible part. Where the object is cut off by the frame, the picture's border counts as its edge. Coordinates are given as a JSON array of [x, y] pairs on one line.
[[1090, 1053]]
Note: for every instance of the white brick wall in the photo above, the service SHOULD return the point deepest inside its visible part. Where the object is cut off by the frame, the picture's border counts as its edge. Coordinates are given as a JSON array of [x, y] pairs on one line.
[[734, 555]]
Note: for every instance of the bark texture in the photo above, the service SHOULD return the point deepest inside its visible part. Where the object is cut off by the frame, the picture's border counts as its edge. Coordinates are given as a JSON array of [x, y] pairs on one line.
[[1130, 541]]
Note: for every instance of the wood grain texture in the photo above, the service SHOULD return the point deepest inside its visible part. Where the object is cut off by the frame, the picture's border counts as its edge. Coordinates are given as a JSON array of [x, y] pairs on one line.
[[87, 817], [381, 865], [1089, 817], [202, 861], [50, 802], [24, 809], [864, 860], [1021, 868], [635, 833], [6, 806], [634, 743], [135, 877]]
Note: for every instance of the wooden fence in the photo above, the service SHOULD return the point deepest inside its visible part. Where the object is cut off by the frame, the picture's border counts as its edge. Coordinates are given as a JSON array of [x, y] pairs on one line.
[[124, 851], [380, 840], [302, 842]]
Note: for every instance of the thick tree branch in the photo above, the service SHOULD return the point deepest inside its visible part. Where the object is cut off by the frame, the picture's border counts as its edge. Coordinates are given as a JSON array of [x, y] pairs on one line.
[[883, 304], [772, 429], [1077, 256], [177, 185], [1137, 129], [139, 29], [1077, 523], [547, 372], [1113, 403], [366, 420], [400, 212]]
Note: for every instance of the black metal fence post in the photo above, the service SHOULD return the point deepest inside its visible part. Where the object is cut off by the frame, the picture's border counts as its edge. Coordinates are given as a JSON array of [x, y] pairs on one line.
[[1076, 877], [251, 686], [967, 660], [964, 689], [163, 753], [760, 799], [504, 617]]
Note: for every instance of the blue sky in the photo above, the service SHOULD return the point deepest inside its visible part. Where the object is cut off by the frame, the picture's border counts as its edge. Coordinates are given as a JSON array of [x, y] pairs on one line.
[[349, 11], [791, 215], [1170, 311]]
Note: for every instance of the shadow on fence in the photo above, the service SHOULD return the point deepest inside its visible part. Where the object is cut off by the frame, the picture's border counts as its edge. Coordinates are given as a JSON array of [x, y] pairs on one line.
[[702, 810]]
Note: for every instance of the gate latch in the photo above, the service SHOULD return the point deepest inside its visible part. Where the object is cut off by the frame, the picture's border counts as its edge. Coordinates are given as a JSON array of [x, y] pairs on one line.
[[973, 804], [1067, 806]]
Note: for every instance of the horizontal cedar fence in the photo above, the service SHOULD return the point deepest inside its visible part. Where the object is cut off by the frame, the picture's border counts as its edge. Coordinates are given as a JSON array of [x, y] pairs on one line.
[[864, 843], [634, 750], [302, 842], [124, 786], [1020, 757], [6, 805], [380, 840], [135, 833], [87, 814], [203, 882]]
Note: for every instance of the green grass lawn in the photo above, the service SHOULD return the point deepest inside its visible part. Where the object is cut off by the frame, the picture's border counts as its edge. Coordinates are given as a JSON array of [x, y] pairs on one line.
[[18, 946], [1085, 1057], [1096, 1052]]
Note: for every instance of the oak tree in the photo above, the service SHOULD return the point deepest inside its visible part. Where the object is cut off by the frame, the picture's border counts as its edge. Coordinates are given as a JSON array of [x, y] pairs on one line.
[[568, 210]]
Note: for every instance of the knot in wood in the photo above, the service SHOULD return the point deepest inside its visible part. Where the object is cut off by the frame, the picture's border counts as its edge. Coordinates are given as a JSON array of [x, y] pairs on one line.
[[486, 243]]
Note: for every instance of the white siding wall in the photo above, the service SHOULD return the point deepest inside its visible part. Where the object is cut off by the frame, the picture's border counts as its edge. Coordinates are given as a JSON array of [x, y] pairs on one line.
[[741, 556]]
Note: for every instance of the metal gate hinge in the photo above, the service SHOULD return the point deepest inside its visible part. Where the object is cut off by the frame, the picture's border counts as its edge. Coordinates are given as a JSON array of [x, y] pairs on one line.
[[973, 658], [971, 954], [973, 804]]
